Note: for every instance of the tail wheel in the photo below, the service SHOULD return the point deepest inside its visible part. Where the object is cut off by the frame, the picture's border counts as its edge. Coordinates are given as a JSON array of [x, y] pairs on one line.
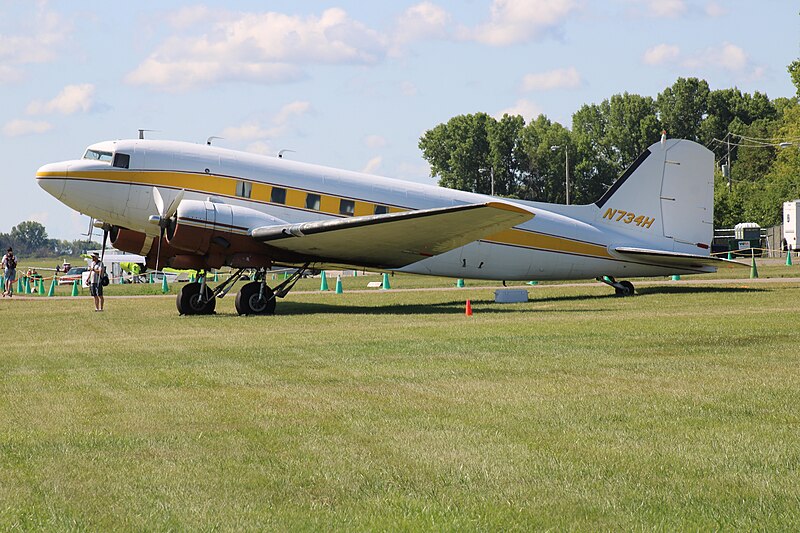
[[190, 303], [250, 301], [625, 289]]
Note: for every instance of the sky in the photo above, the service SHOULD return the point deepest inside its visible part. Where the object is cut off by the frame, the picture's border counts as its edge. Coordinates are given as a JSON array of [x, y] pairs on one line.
[[348, 84]]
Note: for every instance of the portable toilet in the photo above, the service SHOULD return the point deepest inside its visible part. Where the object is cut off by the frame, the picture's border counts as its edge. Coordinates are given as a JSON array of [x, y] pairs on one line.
[[791, 225], [746, 237]]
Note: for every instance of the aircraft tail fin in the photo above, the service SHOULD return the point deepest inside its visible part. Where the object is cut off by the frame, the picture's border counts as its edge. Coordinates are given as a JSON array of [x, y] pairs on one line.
[[665, 198]]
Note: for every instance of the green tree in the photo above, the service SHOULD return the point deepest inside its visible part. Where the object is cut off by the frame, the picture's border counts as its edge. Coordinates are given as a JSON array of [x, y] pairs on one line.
[[29, 236], [682, 107], [458, 152], [794, 72], [506, 157]]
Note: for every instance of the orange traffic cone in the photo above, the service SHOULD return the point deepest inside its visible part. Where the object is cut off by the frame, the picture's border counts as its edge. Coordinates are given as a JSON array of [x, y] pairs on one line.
[[469, 308]]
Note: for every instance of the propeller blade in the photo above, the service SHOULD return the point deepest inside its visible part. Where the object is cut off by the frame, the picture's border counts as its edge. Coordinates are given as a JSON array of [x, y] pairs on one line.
[[159, 200], [173, 206]]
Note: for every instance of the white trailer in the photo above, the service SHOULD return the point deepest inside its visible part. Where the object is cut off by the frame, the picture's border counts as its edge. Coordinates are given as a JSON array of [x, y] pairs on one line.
[[791, 224]]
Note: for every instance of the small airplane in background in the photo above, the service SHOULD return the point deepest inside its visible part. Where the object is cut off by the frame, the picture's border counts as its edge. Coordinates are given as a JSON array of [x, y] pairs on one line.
[[197, 206]]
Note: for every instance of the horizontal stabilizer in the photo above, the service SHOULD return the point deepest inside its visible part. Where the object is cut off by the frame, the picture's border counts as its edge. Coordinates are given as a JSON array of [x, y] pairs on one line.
[[392, 240], [703, 263]]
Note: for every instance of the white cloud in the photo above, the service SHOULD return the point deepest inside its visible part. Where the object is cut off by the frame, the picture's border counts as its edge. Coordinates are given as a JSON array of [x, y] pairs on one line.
[[715, 10], [9, 74], [408, 89], [666, 8], [72, 99], [661, 54], [253, 130], [293, 109], [527, 109], [16, 128], [372, 165], [727, 56], [563, 78], [39, 40], [518, 21], [259, 47], [422, 21], [374, 141]]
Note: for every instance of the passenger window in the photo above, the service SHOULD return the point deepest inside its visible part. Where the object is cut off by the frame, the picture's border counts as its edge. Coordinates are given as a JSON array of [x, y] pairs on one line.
[[381, 209], [278, 196], [244, 189], [347, 207], [312, 201], [121, 160]]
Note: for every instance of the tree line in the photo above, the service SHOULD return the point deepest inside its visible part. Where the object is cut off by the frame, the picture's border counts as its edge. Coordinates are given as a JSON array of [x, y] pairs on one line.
[[760, 138], [30, 239]]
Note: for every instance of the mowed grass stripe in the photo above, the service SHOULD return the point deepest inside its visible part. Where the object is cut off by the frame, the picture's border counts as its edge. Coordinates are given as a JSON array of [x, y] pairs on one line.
[[676, 409]]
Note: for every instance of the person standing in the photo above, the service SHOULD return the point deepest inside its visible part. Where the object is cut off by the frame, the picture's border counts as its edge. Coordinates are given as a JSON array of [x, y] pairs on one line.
[[95, 281], [9, 265]]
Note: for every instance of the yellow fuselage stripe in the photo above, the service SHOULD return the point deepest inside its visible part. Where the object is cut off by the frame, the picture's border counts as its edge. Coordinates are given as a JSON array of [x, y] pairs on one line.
[[216, 185]]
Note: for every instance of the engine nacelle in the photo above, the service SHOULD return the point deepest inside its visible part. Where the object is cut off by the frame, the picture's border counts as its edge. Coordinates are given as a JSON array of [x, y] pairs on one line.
[[216, 228], [139, 243]]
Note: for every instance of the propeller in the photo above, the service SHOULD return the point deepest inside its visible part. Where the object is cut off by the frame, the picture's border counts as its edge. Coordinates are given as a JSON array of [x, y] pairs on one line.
[[165, 213]]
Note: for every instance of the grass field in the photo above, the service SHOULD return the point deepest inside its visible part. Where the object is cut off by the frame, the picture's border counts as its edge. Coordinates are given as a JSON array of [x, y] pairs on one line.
[[678, 409]]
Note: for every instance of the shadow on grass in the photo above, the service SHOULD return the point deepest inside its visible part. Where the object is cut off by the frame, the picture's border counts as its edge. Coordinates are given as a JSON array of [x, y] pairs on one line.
[[690, 289], [442, 308], [534, 305]]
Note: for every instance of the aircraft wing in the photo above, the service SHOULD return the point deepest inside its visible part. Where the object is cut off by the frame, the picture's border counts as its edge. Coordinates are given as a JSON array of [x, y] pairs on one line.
[[392, 240], [677, 259]]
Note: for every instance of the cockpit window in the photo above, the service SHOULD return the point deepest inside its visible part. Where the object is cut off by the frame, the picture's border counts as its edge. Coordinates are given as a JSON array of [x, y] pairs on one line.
[[121, 160], [97, 155]]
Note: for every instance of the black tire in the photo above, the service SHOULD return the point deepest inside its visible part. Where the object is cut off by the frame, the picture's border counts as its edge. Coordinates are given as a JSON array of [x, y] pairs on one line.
[[626, 290], [188, 300], [249, 301]]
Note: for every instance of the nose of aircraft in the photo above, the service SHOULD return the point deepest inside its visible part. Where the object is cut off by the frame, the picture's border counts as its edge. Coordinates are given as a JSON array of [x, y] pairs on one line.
[[52, 178]]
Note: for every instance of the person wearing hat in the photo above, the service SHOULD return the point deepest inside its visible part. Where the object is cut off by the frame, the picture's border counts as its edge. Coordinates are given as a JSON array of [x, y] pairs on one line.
[[95, 285], [9, 265]]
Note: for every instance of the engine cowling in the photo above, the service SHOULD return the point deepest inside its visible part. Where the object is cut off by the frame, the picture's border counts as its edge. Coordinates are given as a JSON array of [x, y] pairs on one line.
[[139, 243], [216, 228]]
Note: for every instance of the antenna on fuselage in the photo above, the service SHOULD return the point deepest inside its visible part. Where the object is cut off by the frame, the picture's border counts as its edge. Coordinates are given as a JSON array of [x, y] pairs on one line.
[[280, 154], [208, 141], [141, 133]]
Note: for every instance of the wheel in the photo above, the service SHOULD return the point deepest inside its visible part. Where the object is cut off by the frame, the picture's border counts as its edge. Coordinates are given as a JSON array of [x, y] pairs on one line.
[[250, 302], [189, 302], [626, 289]]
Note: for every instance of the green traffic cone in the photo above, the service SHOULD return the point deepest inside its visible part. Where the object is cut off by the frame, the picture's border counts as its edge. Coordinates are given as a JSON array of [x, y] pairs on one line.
[[27, 285], [730, 256], [215, 277], [2, 282], [788, 258], [676, 277], [52, 290], [339, 285], [164, 284], [40, 289], [323, 284], [459, 283], [75, 288], [753, 268], [386, 285], [533, 283], [19, 285]]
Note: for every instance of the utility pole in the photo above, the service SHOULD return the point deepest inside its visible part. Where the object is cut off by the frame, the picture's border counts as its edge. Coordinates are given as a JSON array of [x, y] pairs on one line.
[[566, 170]]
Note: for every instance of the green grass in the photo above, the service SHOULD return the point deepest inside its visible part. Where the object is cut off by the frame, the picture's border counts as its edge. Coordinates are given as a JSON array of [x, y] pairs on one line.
[[678, 409]]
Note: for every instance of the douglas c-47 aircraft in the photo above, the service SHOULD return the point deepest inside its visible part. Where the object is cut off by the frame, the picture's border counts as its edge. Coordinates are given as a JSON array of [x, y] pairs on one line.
[[195, 206]]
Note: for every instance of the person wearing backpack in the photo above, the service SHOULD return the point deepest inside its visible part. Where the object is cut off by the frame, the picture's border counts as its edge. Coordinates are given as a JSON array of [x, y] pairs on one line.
[[96, 272], [9, 265]]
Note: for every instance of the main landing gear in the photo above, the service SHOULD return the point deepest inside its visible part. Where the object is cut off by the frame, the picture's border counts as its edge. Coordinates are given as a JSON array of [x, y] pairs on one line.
[[254, 298], [621, 288]]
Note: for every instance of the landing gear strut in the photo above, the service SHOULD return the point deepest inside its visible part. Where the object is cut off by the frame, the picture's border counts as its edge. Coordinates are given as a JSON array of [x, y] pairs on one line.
[[621, 288], [196, 299], [254, 298]]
